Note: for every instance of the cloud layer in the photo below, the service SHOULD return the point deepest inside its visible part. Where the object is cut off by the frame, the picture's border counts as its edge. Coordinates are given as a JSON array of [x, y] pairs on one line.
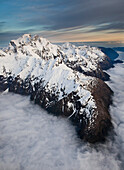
[[31, 139]]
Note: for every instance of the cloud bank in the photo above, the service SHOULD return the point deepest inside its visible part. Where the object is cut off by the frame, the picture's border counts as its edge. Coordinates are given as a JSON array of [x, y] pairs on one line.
[[32, 139]]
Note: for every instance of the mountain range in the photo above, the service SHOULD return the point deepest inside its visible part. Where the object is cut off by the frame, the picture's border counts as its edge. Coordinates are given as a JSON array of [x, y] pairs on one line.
[[65, 80]]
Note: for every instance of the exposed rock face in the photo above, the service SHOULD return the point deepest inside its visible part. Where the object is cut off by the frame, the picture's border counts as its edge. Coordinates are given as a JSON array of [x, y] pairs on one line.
[[118, 61], [52, 77], [103, 98]]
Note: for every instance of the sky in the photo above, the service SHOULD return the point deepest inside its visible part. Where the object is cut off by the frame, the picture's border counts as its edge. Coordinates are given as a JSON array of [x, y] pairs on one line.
[[62, 21]]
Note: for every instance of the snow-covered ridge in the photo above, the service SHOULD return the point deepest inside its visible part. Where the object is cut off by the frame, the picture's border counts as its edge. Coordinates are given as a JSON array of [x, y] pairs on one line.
[[49, 66], [88, 57], [87, 60], [32, 65], [33, 46], [84, 59]]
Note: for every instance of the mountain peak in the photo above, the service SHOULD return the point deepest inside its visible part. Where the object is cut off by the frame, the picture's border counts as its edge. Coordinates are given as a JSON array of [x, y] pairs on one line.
[[85, 59], [68, 45], [24, 39], [26, 35], [61, 79]]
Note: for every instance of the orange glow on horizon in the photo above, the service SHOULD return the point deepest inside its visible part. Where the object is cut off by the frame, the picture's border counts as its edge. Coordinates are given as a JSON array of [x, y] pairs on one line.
[[86, 37]]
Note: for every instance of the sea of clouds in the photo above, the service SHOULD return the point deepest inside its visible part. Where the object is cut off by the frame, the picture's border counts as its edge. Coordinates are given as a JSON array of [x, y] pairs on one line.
[[32, 139]]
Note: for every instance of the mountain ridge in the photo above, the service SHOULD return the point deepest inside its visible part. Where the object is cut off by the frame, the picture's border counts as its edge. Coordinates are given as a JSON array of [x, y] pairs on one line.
[[50, 74]]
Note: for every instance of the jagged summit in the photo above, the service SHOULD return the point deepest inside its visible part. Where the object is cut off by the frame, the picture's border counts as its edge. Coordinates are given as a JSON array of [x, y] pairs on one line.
[[24, 39], [35, 46], [61, 79], [85, 59]]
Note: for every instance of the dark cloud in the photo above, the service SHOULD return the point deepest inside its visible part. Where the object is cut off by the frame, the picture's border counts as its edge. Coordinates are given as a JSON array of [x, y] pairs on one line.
[[116, 31], [85, 13], [2, 23], [6, 36], [65, 16], [117, 27]]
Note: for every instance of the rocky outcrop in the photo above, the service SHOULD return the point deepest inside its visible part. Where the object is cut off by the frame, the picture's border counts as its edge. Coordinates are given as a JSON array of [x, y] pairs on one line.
[[103, 97], [33, 66], [118, 61]]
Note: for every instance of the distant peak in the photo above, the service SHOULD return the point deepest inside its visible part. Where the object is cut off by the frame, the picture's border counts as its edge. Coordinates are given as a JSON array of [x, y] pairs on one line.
[[68, 45], [26, 35]]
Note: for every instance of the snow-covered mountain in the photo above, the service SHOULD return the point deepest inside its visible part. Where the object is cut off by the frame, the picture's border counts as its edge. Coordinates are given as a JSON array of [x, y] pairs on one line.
[[62, 79], [87, 60]]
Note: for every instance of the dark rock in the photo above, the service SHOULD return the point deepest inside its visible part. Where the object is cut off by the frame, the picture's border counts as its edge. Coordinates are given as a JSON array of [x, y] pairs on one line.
[[103, 97], [118, 61], [98, 74]]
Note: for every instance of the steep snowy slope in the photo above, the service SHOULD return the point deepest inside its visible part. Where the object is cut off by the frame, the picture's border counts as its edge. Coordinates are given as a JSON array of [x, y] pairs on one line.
[[86, 59], [50, 74]]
